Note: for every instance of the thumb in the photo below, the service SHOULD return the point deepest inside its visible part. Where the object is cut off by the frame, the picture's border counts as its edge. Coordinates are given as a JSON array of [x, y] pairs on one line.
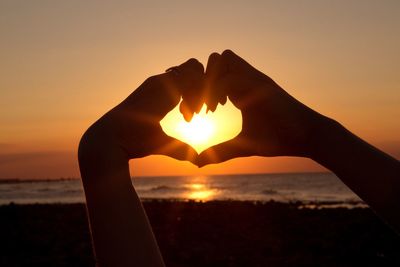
[[225, 151], [176, 149]]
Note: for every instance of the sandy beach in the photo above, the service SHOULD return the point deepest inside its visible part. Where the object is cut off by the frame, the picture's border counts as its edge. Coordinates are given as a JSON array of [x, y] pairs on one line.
[[217, 233]]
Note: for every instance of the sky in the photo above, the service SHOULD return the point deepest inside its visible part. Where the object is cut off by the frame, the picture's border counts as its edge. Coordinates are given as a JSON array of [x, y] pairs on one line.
[[65, 63]]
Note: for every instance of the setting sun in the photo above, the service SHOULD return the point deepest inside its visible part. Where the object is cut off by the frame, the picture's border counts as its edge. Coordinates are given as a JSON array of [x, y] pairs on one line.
[[198, 131], [206, 128]]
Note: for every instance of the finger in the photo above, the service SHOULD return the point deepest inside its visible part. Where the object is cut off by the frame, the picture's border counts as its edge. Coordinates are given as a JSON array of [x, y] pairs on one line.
[[187, 77], [222, 152], [217, 68], [232, 60], [212, 73], [186, 111], [191, 64], [156, 96], [161, 93], [176, 149], [191, 78], [226, 68]]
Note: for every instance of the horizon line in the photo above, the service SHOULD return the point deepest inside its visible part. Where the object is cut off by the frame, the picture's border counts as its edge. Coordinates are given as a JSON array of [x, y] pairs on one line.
[[16, 180]]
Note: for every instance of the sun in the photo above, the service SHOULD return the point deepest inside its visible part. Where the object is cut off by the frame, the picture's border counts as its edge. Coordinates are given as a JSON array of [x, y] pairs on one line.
[[206, 128], [198, 130]]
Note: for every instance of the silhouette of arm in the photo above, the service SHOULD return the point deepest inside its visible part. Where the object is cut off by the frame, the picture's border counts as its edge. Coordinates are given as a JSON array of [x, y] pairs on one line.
[[276, 124], [120, 230], [370, 173], [121, 233]]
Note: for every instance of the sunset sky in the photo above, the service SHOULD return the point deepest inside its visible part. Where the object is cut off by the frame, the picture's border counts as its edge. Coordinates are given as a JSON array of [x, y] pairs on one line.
[[65, 63]]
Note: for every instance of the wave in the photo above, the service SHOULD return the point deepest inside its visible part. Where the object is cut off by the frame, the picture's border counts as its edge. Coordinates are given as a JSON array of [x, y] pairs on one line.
[[269, 192], [164, 188]]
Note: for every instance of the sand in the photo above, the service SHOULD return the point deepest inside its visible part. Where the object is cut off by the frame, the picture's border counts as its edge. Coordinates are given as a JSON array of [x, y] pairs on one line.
[[208, 234]]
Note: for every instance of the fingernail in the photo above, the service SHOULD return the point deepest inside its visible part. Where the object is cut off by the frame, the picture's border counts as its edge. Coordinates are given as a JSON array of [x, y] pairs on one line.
[[223, 100], [188, 116]]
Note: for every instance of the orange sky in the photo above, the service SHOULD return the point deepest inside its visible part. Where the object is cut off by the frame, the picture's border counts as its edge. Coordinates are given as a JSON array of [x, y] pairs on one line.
[[65, 63]]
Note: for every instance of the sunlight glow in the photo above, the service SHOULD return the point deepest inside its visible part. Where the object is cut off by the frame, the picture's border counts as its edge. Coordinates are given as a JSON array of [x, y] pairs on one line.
[[198, 131], [200, 192], [201, 195], [206, 128], [197, 186]]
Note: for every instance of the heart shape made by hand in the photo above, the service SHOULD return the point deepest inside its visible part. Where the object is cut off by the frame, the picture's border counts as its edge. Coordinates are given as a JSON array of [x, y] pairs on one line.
[[206, 128]]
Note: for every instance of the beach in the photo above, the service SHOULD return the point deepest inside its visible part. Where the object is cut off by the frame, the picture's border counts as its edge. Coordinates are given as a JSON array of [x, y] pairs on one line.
[[214, 233]]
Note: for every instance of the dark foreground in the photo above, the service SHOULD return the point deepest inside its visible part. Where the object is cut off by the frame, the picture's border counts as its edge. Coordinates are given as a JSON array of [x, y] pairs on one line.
[[208, 234]]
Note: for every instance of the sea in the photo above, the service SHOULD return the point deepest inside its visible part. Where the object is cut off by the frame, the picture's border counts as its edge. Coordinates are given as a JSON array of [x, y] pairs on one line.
[[312, 189]]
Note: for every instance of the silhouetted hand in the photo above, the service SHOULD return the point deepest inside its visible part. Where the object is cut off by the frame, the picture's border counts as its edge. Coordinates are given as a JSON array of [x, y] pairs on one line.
[[134, 124], [121, 232], [274, 123]]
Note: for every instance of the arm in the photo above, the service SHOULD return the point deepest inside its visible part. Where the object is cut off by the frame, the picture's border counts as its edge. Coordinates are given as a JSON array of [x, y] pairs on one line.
[[276, 124], [373, 175], [120, 230]]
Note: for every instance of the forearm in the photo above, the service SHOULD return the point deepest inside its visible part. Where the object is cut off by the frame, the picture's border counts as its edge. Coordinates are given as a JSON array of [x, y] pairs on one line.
[[120, 229], [373, 175]]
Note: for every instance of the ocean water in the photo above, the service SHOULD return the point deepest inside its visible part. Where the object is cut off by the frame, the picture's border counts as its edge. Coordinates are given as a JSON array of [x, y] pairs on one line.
[[323, 188]]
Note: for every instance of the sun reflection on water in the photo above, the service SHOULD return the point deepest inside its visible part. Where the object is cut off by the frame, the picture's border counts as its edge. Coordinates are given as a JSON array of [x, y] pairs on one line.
[[196, 186], [200, 192], [201, 195]]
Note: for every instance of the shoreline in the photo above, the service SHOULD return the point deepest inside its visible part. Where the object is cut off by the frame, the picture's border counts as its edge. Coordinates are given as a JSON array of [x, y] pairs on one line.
[[310, 188], [351, 204]]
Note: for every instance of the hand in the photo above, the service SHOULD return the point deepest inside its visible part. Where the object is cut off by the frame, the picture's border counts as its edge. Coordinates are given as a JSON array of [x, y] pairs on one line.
[[131, 130], [134, 125], [274, 123]]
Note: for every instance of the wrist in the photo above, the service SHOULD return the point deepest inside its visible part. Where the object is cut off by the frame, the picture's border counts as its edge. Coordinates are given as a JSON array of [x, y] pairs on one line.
[[99, 153]]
